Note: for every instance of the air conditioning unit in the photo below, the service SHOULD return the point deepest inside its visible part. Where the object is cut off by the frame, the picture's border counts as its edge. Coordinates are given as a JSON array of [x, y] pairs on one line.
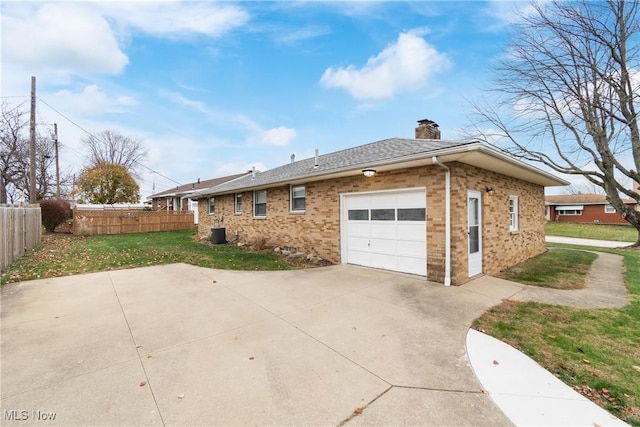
[[596, 221]]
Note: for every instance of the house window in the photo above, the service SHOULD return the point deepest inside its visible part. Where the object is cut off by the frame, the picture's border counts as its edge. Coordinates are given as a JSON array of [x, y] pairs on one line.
[[513, 213], [569, 210], [238, 203], [297, 197], [358, 215], [609, 209], [383, 214], [412, 214], [260, 203], [211, 204], [159, 203]]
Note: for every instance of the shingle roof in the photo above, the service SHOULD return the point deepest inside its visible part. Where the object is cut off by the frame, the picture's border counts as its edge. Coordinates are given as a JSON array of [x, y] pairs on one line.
[[187, 188], [386, 151], [580, 199]]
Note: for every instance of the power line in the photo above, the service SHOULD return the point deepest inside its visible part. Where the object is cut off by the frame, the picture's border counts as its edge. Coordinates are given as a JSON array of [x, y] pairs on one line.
[[94, 136]]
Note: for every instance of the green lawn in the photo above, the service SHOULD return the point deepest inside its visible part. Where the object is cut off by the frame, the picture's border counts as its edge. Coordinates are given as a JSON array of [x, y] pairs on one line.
[[558, 268], [595, 351], [65, 254], [622, 233]]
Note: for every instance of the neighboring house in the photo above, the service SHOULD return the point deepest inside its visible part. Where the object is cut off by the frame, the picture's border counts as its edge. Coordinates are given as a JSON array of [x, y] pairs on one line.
[[178, 198], [447, 210], [584, 208]]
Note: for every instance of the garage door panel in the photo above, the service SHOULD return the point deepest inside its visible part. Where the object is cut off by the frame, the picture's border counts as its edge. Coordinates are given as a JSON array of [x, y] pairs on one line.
[[414, 231], [359, 243], [387, 230], [412, 265], [383, 230], [413, 249], [359, 229], [360, 258], [358, 202], [383, 246], [384, 261], [411, 199]]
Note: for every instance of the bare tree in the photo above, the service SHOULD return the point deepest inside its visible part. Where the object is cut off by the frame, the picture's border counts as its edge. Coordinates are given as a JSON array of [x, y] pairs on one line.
[[111, 147], [586, 188], [13, 150], [14, 159], [567, 94]]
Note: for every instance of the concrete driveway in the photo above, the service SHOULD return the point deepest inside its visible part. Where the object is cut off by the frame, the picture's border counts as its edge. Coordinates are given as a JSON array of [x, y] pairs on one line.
[[183, 345]]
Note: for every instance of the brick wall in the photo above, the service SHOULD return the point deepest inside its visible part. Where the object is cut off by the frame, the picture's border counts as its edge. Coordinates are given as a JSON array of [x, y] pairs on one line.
[[590, 213], [317, 230], [501, 248]]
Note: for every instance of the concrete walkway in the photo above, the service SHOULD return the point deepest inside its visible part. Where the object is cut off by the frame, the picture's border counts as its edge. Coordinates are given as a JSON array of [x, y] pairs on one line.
[[605, 287], [587, 242], [528, 394]]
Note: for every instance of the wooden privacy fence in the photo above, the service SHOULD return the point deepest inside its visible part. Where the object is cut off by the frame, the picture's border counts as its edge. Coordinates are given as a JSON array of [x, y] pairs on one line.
[[20, 231], [88, 222]]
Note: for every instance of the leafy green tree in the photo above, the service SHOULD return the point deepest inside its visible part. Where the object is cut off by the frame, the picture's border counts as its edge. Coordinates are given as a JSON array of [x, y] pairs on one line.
[[107, 183]]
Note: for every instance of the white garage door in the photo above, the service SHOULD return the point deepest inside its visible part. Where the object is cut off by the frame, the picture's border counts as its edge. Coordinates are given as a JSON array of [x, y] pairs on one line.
[[386, 230]]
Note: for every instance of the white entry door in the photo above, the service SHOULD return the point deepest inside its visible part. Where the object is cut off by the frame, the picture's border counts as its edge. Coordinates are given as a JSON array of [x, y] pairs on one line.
[[474, 232], [193, 206], [386, 230]]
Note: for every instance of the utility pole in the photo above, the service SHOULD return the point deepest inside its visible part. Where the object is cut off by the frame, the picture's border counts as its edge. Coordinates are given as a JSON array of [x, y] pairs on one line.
[[55, 141], [32, 144]]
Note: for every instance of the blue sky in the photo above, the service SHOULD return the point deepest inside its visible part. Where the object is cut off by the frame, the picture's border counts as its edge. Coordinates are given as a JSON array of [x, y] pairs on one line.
[[214, 88]]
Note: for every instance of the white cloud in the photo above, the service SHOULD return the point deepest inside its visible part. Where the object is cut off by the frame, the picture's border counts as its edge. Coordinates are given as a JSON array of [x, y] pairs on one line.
[[60, 40], [505, 13], [175, 18], [405, 65], [280, 136], [70, 38], [292, 37], [255, 134], [92, 100]]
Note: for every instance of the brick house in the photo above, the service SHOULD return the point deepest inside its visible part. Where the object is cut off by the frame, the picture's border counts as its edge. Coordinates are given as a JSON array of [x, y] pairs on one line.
[[178, 198], [447, 210], [584, 208]]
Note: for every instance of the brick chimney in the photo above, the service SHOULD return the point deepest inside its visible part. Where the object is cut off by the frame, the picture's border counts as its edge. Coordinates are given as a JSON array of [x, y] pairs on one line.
[[427, 129]]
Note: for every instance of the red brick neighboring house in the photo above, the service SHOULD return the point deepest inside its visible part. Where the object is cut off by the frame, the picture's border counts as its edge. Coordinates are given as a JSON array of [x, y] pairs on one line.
[[447, 210], [178, 198], [584, 208]]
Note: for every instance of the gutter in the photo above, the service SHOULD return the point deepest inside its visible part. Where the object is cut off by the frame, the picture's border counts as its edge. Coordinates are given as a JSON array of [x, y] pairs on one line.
[[447, 220]]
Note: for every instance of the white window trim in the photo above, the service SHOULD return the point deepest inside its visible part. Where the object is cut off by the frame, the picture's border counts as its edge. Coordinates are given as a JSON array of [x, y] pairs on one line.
[[211, 211], [577, 212], [609, 209], [254, 203], [513, 216], [291, 210], [235, 203]]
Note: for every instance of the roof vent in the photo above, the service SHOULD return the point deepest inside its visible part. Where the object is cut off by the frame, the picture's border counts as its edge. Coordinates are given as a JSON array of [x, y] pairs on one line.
[[427, 129], [293, 158], [315, 165], [253, 173]]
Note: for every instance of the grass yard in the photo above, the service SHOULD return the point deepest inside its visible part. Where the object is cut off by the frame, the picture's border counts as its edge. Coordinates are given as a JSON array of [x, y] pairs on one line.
[[596, 351], [557, 268], [620, 233], [65, 254]]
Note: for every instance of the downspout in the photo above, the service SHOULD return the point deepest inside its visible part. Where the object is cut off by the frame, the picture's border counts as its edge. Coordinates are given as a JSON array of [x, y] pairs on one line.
[[447, 220]]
